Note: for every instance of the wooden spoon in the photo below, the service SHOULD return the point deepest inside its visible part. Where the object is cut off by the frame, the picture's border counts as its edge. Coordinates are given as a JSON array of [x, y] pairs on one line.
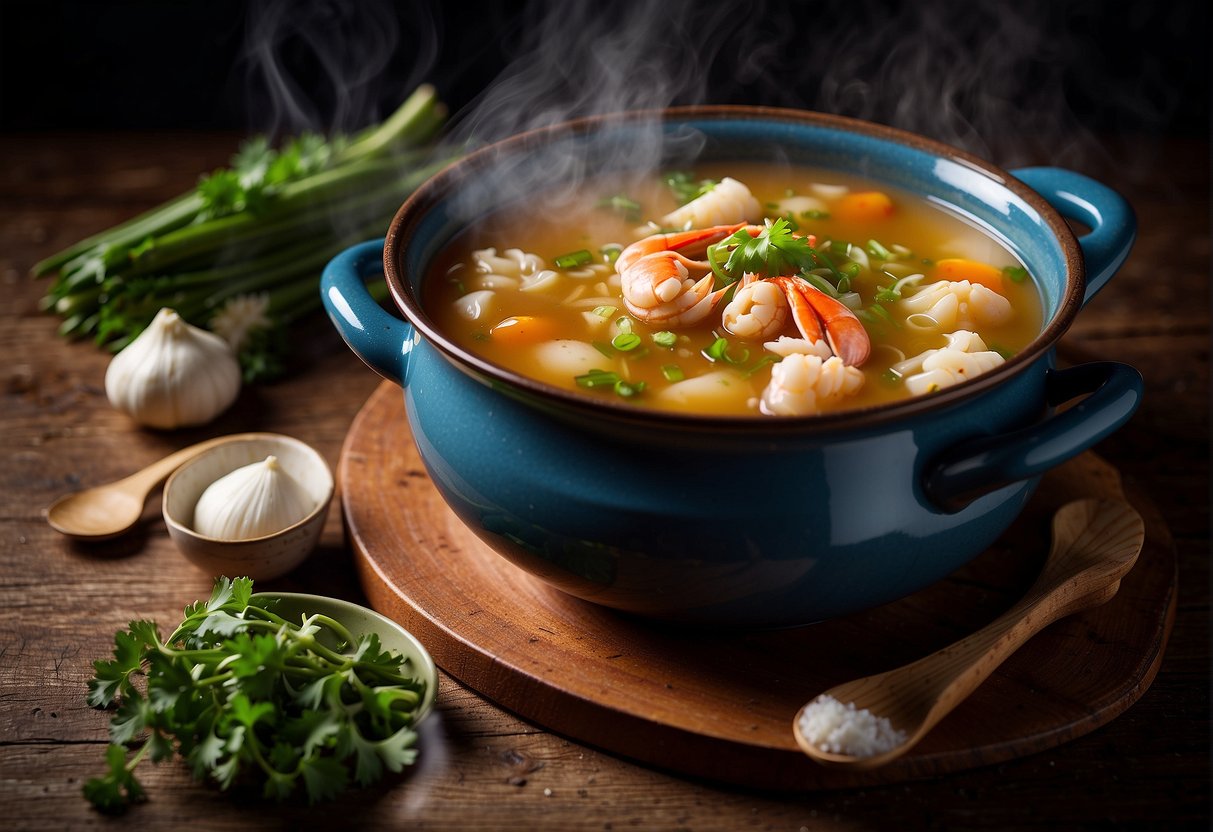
[[1095, 544], [111, 510]]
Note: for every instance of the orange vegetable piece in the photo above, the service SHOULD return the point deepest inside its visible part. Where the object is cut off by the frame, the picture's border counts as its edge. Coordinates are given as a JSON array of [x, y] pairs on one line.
[[520, 330], [957, 268], [865, 206]]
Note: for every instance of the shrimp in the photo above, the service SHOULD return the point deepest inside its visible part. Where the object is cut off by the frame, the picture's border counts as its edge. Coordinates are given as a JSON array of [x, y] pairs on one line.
[[656, 276], [730, 201], [819, 316], [801, 384], [946, 304], [758, 310]]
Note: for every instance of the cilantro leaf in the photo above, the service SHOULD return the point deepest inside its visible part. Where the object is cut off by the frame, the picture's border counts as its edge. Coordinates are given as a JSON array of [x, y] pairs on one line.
[[775, 251], [242, 699], [129, 721], [118, 787], [397, 750], [324, 777], [206, 754]]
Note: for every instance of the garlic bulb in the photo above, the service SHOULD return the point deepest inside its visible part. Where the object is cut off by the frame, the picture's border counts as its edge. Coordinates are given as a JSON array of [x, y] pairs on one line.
[[173, 375], [252, 501]]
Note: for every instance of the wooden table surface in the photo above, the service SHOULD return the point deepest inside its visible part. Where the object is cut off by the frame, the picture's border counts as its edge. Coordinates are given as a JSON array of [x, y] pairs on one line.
[[482, 767]]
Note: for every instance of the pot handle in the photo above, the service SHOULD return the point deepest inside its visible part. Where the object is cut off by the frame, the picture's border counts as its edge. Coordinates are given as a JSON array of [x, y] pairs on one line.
[[1108, 215], [979, 466], [381, 340]]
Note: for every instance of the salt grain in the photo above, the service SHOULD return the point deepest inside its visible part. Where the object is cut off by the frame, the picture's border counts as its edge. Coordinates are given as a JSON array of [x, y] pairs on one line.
[[842, 729]]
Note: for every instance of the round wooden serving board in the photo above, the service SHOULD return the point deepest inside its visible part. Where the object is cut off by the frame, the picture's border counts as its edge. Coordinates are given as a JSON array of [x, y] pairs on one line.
[[720, 705]]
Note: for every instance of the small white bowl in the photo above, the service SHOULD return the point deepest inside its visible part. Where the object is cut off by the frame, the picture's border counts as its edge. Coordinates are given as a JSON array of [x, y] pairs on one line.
[[259, 558], [359, 621]]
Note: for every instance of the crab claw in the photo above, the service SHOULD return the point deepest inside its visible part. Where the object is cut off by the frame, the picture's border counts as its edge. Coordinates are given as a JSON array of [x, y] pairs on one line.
[[817, 314]]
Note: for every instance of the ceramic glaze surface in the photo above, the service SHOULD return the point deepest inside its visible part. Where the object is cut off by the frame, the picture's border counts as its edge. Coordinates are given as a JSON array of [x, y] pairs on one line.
[[729, 522]]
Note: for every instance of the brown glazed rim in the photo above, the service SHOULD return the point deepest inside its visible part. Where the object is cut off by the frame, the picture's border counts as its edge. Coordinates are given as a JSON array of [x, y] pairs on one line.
[[409, 215]]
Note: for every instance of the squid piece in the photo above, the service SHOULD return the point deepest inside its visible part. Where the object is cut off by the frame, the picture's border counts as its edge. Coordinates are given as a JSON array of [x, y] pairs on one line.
[[800, 384], [947, 305], [730, 202]]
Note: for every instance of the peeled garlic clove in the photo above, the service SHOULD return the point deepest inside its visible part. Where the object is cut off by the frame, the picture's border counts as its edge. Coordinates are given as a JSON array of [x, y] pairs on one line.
[[252, 501], [173, 375]]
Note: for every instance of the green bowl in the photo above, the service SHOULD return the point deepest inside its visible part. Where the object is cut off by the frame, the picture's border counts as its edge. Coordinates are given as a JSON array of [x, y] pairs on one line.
[[361, 621]]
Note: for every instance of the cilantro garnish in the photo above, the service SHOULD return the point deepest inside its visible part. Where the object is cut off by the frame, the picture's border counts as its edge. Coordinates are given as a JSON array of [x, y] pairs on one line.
[[243, 694], [775, 251]]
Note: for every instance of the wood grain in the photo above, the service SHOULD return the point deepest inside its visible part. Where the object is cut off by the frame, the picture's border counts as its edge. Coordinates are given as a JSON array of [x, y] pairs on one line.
[[1095, 544], [719, 704], [483, 767]]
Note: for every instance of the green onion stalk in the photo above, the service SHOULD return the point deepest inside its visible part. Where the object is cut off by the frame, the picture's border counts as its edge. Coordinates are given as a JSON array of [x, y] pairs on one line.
[[262, 228]]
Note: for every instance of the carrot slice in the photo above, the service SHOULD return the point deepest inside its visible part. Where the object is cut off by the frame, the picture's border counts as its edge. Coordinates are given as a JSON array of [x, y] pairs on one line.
[[865, 206], [520, 330], [957, 268]]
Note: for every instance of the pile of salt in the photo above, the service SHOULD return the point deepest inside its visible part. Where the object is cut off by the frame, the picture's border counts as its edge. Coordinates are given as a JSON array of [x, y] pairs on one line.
[[842, 729]]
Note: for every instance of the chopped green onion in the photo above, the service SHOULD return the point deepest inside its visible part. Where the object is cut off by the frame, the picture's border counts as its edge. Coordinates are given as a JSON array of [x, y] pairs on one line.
[[610, 253], [887, 294], [604, 348], [851, 270], [719, 351], [574, 259], [625, 341], [815, 214], [627, 389], [684, 187], [717, 264], [624, 324], [597, 378], [821, 255], [623, 205], [820, 283], [881, 313], [665, 338], [844, 284], [672, 372], [604, 311], [765, 361], [1016, 274], [877, 250]]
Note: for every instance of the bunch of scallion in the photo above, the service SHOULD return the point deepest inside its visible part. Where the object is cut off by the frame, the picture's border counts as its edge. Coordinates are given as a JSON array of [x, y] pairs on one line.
[[243, 251]]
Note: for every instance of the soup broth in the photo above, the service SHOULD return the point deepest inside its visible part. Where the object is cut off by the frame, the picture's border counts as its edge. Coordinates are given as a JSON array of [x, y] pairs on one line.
[[915, 298]]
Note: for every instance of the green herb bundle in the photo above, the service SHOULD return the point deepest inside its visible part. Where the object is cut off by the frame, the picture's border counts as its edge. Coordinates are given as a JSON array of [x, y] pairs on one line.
[[248, 697], [261, 229]]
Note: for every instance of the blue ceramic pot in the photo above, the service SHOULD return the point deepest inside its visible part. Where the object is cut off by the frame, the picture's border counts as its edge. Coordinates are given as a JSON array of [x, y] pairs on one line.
[[728, 521]]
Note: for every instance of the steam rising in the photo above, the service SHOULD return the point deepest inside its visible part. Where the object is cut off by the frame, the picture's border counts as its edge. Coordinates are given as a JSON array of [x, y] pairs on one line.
[[994, 78], [991, 77], [321, 64]]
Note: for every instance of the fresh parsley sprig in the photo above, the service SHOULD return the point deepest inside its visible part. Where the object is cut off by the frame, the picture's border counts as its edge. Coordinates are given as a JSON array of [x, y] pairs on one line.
[[247, 696], [774, 251]]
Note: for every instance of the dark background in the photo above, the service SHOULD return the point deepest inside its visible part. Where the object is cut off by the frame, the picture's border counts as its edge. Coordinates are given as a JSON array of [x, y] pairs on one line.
[[141, 64]]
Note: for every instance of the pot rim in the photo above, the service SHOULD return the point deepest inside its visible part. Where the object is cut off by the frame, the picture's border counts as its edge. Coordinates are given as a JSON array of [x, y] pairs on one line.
[[407, 217]]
